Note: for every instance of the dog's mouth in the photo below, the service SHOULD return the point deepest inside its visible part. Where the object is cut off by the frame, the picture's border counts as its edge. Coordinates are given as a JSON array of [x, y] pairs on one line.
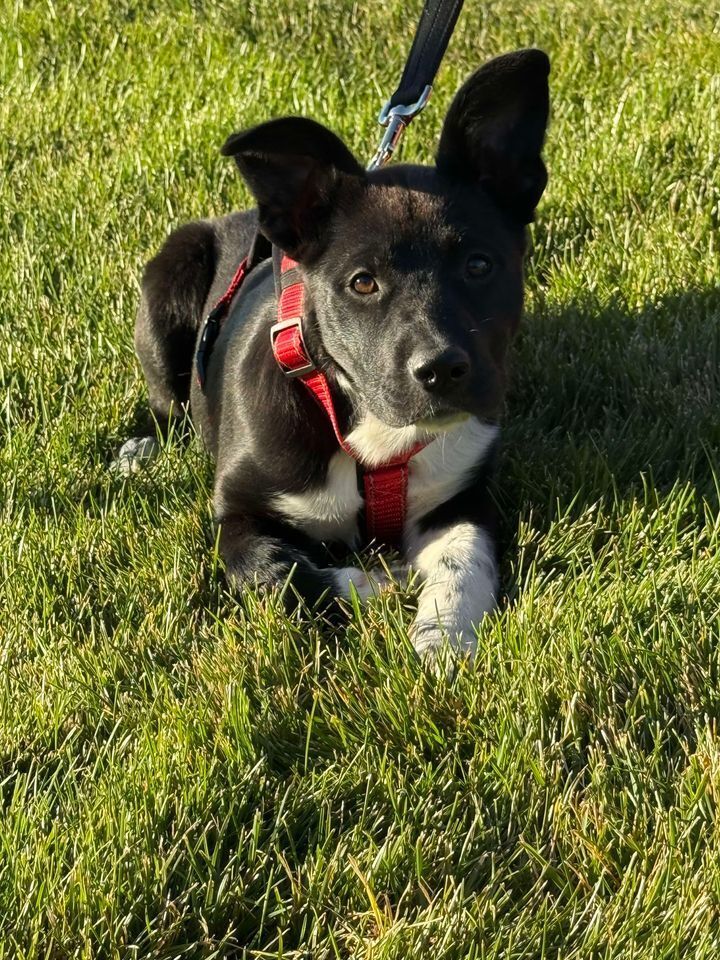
[[439, 422]]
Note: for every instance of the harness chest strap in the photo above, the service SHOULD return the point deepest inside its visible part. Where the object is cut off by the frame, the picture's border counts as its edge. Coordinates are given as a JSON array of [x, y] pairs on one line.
[[385, 486]]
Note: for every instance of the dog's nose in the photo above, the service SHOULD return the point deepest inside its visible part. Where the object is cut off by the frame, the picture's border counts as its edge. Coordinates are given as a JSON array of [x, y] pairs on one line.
[[443, 372]]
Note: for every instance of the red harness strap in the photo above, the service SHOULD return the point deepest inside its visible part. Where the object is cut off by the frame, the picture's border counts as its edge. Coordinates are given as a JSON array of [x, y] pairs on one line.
[[386, 498], [385, 485], [211, 326]]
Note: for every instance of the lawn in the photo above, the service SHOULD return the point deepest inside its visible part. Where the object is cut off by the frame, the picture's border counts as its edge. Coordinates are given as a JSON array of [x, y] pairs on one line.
[[185, 776]]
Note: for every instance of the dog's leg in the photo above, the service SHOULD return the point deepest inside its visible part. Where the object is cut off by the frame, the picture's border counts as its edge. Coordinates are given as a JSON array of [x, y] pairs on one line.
[[174, 288], [458, 566], [256, 558]]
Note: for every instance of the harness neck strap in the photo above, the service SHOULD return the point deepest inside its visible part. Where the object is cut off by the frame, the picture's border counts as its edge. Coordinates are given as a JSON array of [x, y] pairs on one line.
[[385, 486]]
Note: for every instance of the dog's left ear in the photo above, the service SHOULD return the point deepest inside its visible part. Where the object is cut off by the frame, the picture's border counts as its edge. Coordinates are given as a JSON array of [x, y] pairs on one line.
[[293, 167], [495, 129]]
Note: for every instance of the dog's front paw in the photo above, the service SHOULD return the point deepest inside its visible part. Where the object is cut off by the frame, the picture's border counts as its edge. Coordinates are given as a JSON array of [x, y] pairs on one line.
[[429, 637], [135, 454]]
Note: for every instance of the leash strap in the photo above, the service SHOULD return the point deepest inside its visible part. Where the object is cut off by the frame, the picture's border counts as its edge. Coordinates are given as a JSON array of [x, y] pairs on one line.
[[385, 486], [432, 36], [437, 23], [260, 249]]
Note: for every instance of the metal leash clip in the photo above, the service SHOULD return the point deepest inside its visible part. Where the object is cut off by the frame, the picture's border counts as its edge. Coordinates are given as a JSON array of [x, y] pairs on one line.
[[396, 119]]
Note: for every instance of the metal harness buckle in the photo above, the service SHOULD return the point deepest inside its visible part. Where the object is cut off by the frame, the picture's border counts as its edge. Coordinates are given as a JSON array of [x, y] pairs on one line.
[[277, 328], [396, 119]]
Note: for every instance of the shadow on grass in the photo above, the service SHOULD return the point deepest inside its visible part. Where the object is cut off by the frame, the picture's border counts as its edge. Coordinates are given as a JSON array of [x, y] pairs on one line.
[[606, 399]]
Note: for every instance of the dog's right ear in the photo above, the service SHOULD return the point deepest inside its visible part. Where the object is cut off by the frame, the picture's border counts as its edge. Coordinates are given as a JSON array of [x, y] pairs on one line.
[[495, 128], [292, 166]]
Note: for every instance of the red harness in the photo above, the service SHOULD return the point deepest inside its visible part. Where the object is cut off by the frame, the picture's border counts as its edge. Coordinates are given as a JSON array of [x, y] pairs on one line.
[[385, 485]]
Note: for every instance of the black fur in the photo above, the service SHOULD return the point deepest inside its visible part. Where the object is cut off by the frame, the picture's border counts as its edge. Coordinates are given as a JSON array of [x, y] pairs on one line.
[[175, 287], [495, 129], [413, 228]]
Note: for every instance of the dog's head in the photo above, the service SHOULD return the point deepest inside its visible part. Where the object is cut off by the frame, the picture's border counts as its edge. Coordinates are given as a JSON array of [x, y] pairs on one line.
[[414, 274]]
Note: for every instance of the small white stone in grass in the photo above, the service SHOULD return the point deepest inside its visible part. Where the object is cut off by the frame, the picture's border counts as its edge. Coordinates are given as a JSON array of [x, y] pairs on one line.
[[135, 454]]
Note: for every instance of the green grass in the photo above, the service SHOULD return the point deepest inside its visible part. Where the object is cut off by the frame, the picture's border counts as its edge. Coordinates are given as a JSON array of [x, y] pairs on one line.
[[184, 777]]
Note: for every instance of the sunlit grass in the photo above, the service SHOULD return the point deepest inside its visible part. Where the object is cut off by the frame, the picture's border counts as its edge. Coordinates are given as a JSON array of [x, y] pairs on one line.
[[183, 776]]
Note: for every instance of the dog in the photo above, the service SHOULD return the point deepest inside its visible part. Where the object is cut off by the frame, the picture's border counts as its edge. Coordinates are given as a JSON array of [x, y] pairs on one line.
[[413, 280]]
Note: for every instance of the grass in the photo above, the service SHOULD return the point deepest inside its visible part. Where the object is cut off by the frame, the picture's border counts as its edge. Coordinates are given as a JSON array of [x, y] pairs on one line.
[[184, 777]]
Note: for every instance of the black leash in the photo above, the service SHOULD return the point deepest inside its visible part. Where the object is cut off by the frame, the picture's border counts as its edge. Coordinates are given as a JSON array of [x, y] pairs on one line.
[[437, 22]]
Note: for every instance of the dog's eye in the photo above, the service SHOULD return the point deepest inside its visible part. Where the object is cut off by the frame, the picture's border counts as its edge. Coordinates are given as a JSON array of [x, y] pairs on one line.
[[364, 283], [478, 266]]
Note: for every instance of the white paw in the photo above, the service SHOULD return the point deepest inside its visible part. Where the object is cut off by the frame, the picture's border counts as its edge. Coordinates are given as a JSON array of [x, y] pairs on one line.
[[430, 637], [365, 584], [135, 454]]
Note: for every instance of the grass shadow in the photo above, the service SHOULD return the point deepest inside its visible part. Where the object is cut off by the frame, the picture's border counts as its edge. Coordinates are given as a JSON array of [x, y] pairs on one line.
[[606, 401]]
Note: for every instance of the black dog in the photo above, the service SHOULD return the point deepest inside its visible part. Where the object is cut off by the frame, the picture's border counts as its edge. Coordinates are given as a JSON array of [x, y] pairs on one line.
[[413, 284]]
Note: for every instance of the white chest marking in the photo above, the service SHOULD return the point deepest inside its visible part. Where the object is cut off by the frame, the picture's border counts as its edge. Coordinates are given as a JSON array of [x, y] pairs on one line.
[[440, 471], [328, 512], [436, 474]]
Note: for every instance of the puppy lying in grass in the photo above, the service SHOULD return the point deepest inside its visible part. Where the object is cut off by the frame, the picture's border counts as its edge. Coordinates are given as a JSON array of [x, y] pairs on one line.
[[410, 283]]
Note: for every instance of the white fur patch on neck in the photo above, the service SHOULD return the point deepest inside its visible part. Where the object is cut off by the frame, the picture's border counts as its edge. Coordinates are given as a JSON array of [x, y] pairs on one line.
[[441, 469], [376, 442]]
